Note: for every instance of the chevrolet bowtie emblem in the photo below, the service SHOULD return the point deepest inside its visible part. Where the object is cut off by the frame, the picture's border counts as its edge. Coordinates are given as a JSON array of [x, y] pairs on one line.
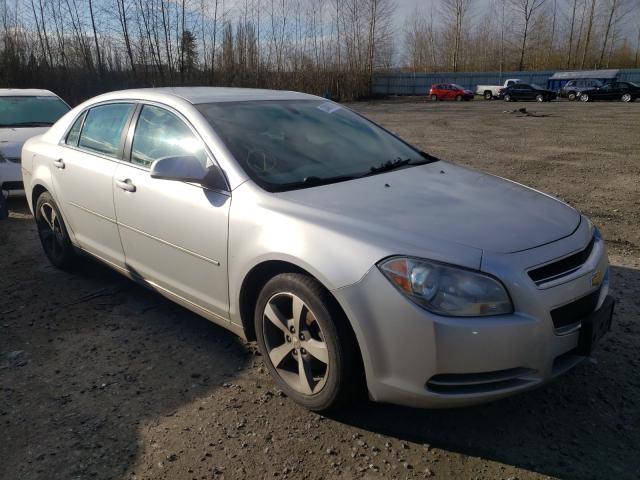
[[596, 279]]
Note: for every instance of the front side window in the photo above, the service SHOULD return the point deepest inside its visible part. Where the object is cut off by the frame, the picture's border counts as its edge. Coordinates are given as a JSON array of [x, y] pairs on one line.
[[33, 111], [102, 130], [288, 144], [161, 134]]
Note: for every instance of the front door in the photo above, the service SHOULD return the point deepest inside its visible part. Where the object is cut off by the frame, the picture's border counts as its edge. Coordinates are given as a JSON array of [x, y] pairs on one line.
[[83, 178], [174, 234]]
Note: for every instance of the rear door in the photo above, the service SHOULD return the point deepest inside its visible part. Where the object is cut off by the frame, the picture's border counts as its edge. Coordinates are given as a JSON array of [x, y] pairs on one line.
[[174, 233], [83, 178]]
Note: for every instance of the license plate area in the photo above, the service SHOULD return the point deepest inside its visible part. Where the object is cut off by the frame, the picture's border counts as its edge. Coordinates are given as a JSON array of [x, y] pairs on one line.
[[594, 327]]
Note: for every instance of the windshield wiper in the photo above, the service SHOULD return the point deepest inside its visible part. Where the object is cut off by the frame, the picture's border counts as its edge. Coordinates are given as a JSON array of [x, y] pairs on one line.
[[26, 124], [315, 181], [399, 163]]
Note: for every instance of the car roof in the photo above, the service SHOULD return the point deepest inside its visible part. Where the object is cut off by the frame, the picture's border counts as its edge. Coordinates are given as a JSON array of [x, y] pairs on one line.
[[25, 92], [197, 95]]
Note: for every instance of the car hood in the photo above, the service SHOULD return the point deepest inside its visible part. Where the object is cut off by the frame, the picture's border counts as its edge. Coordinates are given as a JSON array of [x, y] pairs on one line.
[[445, 202], [12, 139]]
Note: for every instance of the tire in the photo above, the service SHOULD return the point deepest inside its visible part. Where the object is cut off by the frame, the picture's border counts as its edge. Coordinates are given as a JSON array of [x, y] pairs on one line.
[[286, 340], [458, 98], [626, 98], [539, 98], [488, 95], [53, 233], [584, 97], [572, 96], [434, 98], [507, 98]]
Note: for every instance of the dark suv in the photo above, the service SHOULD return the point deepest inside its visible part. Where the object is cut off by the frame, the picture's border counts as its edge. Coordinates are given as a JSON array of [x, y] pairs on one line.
[[573, 88]]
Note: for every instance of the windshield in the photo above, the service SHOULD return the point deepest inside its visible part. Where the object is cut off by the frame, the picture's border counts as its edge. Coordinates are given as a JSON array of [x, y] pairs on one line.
[[288, 144], [457, 87], [31, 111], [535, 85]]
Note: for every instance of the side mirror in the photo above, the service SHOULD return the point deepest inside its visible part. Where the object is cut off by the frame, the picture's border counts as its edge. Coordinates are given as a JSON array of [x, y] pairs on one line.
[[188, 169]]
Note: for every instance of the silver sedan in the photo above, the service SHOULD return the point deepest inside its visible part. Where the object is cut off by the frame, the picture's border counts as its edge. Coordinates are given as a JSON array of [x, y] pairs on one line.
[[358, 263]]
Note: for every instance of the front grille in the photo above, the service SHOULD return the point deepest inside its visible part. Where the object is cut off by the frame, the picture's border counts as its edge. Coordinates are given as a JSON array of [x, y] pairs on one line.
[[575, 311], [562, 267], [483, 382]]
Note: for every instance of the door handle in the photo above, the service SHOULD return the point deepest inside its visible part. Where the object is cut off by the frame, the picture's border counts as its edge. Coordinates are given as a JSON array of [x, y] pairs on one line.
[[59, 163], [126, 185]]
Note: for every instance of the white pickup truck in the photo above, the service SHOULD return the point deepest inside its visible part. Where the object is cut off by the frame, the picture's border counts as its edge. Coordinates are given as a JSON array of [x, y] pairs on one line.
[[492, 91]]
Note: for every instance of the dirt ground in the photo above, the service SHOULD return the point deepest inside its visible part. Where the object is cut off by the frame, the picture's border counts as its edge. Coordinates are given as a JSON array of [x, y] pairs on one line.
[[100, 378]]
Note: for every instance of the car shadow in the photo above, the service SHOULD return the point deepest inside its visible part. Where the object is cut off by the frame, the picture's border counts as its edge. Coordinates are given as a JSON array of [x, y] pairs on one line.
[[568, 428], [89, 360]]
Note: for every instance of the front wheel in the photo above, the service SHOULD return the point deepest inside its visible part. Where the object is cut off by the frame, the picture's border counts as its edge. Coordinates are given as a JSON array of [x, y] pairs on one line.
[[626, 97], [53, 232], [458, 98], [488, 95], [306, 342], [572, 96], [584, 97], [507, 98], [539, 98], [434, 98]]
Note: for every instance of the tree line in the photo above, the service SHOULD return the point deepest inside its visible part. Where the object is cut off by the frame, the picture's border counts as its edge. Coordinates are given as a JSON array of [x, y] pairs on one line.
[[455, 35], [79, 48]]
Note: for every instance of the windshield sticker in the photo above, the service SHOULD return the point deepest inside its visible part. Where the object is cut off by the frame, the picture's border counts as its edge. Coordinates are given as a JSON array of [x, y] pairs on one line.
[[329, 107]]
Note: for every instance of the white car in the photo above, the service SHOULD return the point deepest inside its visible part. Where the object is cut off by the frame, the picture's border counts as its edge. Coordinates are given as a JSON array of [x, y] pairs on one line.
[[490, 92], [23, 114], [358, 262]]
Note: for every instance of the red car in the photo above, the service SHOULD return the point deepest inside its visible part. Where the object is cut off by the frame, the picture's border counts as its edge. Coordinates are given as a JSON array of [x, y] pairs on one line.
[[449, 91]]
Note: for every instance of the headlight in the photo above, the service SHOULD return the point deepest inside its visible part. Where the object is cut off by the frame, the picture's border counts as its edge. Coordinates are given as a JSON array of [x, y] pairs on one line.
[[445, 289]]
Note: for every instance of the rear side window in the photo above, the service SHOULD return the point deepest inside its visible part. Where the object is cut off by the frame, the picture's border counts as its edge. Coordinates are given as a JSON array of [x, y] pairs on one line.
[[161, 134], [102, 130], [74, 133]]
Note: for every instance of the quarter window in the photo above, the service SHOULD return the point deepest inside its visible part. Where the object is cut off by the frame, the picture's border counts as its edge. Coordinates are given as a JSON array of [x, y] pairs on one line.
[[74, 133], [161, 134], [102, 131]]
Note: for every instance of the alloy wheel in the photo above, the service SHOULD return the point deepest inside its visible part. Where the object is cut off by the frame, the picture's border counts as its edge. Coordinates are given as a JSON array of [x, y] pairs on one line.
[[539, 98], [51, 233], [295, 343], [584, 97], [571, 96], [626, 97]]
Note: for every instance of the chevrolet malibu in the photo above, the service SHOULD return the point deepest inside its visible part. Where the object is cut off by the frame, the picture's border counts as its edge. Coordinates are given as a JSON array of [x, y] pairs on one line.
[[359, 263]]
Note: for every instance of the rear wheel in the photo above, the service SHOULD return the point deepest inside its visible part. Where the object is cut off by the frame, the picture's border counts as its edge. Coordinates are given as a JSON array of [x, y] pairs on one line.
[[306, 343], [53, 232], [626, 97], [584, 97], [488, 95], [434, 98], [507, 98], [458, 98], [572, 96], [539, 98]]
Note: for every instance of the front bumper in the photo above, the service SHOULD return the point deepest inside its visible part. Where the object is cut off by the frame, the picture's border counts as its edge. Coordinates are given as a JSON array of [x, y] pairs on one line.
[[11, 175], [413, 357]]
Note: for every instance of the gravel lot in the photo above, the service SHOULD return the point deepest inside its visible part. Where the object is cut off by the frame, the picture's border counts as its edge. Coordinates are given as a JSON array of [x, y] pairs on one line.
[[100, 378]]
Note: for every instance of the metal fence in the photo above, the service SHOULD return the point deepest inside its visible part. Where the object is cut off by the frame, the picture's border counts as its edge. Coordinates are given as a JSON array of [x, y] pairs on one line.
[[405, 83]]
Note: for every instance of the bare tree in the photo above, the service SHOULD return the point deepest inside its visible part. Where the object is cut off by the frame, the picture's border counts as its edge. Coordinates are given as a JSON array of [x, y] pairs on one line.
[[527, 9], [456, 13]]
